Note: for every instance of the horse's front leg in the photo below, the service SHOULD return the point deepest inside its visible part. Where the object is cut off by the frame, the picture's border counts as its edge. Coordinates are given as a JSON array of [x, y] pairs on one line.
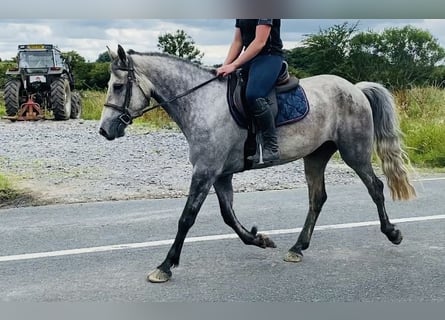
[[224, 190], [199, 189]]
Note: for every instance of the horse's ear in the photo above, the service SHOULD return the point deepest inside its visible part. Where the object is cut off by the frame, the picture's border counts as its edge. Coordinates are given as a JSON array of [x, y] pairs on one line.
[[111, 54], [121, 53]]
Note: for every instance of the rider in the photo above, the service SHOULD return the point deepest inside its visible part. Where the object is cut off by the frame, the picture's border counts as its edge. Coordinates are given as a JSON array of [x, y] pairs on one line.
[[261, 60]]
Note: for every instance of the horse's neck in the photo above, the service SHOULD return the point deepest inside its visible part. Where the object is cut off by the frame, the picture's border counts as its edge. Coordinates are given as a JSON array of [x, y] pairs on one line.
[[172, 79]]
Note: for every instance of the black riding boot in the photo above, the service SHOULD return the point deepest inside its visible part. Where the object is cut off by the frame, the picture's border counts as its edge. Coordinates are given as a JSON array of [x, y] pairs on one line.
[[266, 124]]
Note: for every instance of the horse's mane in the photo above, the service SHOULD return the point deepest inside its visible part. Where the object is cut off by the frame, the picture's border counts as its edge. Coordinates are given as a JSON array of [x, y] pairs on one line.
[[175, 58]]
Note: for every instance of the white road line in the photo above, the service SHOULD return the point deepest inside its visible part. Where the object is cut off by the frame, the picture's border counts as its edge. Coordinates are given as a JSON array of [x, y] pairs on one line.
[[29, 256], [430, 179]]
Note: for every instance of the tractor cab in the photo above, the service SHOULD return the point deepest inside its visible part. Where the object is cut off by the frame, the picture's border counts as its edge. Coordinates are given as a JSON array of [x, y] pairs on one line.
[[35, 59]]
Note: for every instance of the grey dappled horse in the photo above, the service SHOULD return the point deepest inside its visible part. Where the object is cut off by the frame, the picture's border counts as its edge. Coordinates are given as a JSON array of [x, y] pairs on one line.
[[344, 117]]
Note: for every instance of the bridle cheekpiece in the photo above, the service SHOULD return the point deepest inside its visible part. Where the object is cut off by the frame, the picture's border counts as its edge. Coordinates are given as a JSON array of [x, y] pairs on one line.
[[126, 116]]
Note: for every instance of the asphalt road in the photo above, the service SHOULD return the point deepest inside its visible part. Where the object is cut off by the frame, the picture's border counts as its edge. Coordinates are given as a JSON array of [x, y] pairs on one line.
[[103, 251]]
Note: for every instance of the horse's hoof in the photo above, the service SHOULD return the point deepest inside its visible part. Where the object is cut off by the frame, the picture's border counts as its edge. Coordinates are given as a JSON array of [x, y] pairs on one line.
[[293, 257], [265, 241], [158, 276], [397, 237]]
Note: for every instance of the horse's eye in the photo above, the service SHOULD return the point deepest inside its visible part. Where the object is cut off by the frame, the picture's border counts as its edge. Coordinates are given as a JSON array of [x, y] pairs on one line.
[[118, 86]]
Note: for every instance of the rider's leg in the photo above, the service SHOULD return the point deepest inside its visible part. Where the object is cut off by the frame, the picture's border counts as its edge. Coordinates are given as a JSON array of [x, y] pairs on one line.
[[263, 73], [265, 122]]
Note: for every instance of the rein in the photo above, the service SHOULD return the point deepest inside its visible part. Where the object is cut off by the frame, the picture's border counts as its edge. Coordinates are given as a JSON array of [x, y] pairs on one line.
[[126, 117], [179, 95]]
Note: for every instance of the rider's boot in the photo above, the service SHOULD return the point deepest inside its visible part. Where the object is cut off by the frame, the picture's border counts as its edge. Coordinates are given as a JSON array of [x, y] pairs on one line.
[[266, 124]]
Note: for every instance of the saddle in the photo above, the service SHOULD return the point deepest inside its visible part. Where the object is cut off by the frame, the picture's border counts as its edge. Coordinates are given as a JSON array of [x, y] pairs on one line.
[[236, 88], [288, 104]]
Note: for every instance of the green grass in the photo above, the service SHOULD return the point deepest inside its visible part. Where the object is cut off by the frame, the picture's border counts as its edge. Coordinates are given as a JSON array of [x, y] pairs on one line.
[[93, 102], [2, 105], [422, 119], [425, 144], [8, 192]]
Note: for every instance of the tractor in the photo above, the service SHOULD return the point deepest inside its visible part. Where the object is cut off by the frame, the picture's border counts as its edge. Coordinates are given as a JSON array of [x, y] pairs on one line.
[[42, 84]]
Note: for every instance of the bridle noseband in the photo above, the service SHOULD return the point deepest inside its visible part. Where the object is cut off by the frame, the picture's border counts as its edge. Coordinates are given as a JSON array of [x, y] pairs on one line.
[[125, 116]]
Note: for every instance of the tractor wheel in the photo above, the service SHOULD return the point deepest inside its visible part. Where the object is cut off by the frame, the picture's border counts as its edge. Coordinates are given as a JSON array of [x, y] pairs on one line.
[[61, 99], [76, 105], [13, 98]]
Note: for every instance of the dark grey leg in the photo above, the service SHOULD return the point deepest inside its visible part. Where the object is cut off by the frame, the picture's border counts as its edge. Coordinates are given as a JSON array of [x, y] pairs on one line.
[[361, 164], [224, 191], [199, 189], [314, 167], [375, 190]]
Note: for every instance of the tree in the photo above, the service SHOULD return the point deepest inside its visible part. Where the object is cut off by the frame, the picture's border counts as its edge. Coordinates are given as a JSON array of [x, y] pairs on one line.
[[364, 60], [298, 61], [98, 75], [4, 66], [437, 77], [411, 55], [396, 57], [180, 44], [104, 57], [75, 57], [327, 51]]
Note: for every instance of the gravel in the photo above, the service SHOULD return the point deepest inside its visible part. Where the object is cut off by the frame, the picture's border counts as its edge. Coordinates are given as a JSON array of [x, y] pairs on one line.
[[68, 162]]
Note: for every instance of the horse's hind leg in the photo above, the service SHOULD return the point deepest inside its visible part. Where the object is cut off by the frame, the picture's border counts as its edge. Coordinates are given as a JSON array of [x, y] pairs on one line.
[[314, 167], [224, 191], [361, 164]]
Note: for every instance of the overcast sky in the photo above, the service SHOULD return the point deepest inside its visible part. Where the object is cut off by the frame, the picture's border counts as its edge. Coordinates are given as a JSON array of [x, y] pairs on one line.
[[212, 36]]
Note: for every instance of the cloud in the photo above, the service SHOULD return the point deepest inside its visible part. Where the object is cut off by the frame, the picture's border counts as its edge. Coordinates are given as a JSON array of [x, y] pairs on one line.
[[89, 37]]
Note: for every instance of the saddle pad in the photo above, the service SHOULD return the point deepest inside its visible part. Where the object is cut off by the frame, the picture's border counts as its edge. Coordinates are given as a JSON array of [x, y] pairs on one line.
[[292, 106]]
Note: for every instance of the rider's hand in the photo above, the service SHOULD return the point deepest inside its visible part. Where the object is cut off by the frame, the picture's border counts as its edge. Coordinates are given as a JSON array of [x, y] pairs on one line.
[[225, 70]]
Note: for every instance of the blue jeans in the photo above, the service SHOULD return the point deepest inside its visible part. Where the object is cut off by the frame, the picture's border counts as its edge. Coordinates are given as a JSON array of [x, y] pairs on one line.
[[263, 72]]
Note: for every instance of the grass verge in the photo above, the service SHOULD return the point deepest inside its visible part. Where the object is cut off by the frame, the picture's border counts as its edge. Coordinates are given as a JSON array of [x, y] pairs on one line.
[[422, 119], [10, 196]]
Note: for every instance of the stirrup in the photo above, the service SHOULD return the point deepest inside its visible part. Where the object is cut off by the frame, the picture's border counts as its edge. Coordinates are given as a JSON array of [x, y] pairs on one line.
[[257, 158]]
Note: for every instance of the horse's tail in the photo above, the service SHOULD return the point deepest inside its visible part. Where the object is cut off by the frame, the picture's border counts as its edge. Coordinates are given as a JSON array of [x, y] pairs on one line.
[[387, 138]]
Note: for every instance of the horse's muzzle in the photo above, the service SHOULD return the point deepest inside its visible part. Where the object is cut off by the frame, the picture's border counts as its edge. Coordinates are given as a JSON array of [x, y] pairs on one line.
[[115, 129], [104, 133]]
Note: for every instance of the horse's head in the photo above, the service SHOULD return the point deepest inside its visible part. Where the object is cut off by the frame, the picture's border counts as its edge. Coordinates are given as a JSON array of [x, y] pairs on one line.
[[128, 93]]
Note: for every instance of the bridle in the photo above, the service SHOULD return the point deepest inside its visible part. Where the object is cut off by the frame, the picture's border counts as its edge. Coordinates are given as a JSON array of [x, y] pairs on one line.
[[126, 117]]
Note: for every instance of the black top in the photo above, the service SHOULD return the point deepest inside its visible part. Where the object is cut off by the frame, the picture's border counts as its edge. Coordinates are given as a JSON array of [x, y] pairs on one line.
[[274, 45]]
